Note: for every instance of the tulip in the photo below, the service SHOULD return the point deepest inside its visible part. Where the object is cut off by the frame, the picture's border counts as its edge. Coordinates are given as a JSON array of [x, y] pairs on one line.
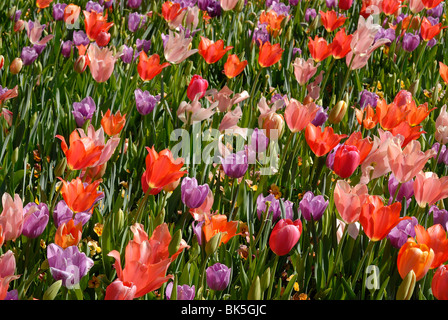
[[134, 4], [101, 63], [218, 224], [298, 116], [415, 257], [227, 5], [184, 292], [28, 55], [346, 160], [259, 141], [435, 238], [285, 236], [272, 20], [416, 6], [173, 14], [63, 214], [312, 206], [310, 14], [269, 54], [345, 4], [7, 270], [402, 231], [440, 216], [42, 4], [68, 234], [340, 46], [193, 195], [35, 219], [439, 283], [212, 51], [136, 21], [304, 70], [330, 20], [177, 47], [321, 142], [233, 66], [113, 123], [197, 87], [349, 200], [410, 42], [428, 31], [368, 98], [34, 32], [119, 290], [437, 11], [2, 61], [430, 4], [235, 165], [218, 276], [204, 209], [84, 110], [149, 67], [15, 66], [66, 48], [81, 64], [6, 94], [429, 188], [95, 24], [145, 102], [68, 265], [11, 218], [441, 134], [338, 112], [274, 211], [364, 146], [406, 189], [71, 13], [161, 170], [79, 196], [152, 257], [319, 48]]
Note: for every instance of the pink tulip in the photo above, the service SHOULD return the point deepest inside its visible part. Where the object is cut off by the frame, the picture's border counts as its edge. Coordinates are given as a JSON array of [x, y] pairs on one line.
[[429, 188], [11, 219], [34, 31], [193, 112], [102, 62], [227, 5], [314, 87], [349, 201], [225, 102], [7, 270], [304, 70], [119, 290], [230, 120], [346, 160], [416, 6], [177, 47], [297, 115], [197, 87], [406, 163], [441, 134]]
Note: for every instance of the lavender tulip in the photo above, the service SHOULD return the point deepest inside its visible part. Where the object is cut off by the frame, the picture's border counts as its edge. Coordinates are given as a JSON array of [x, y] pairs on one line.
[[261, 34], [218, 276], [197, 229], [66, 48], [368, 98], [58, 11], [400, 233], [259, 141], [143, 44], [437, 11], [331, 4], [184, 292], [274, 208], [134, 4], [410, 42], [135, 21], [321, 117], [12, 295], [235, 165], [63, 214], [68, 265], [94, 6], [192, 194], [80, 38], [35, 219], [127, 55], [406, 189], [280, 8], [84, 110], [28, 55], [312, 206], [145, 101], [310, 14], [440, 216]]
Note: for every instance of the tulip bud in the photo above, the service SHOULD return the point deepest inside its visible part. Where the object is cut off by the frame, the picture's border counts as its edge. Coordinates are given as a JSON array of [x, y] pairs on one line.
[[213, 244], [265, 279], [2, 62], [414, 87], [273, 122], [19, 26], [239, 6], [44, 266], [80, 64], [12, 12], [288, 34], [15, 155], [197, 86], [60, 167], [15, 66], [119, 220], [175, 242], [160, 218], [255, 290], [337, 112], [406, 287]]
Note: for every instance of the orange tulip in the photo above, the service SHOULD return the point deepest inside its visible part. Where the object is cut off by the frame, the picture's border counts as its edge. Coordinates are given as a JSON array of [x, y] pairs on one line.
[[83, 152], [428, 31], [369, 120], [390, 115], [41, 4], [319, 48], [161, 170], [68, 234], [170, 11], [71, 13], [149, 67], [218, 223], [113, 124], [95, 24], [415, 257], [80, 197], [364, 145], [212, 51], [272, 20], [269, 54], [331, 21], [234, 66], [322, 142], [443, 70], [340, 46], [435, 238], [377, 220], [146, 260], [417, 114], [408, 132]]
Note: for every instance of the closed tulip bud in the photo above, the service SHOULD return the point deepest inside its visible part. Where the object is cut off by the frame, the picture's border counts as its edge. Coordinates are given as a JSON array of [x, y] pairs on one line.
[[265, 279], [213, 244], [346, 160], [414, 87], [45, 265], [439, 284], [119, 220], [175, 242], [19, 26], [60, 167], [255, 290], [239, 6], [80, 64], [160, 218], [406, 288], [197, 87], [2, 62], [15, 66], [285, 236], [273, 123], [338, 112], [288, 34]]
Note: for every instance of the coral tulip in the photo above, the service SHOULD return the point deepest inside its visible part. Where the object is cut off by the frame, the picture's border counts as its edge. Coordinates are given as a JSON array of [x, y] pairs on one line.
[[321, 142], [390, 115], [173, 13], [113, 123], [415, 257], [441, 134], [408, 132], [319, 48], [429, 4], [349, 201], [149, 67], [79, 196], [331, 21], [367, 117], [234, 66], [68, 234], [285, 236], [429, 188], [212, 51], [71, 13], [269, 54], [218, 223], [435, 238], [298, 116], [443, 70]]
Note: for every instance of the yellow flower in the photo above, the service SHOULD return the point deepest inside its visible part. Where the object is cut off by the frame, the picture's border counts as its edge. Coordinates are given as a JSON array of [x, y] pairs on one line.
[[43, 245], [98, 229], [296, 286], [94, 282]]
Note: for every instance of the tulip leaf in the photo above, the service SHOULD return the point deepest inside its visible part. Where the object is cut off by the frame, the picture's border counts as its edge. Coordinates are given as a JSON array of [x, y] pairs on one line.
[[52, 291]]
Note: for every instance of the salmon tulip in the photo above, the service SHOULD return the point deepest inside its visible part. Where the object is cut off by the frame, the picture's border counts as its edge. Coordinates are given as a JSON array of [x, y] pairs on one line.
[[101, 62], [415, 257], [443, 70], [211, 51], [349, 200], [113, 123], [269, 54], [298, 116], [322, 142], [149, 67], [79, 196], [11, 218], [7, 270], [435, 238], [429, 188]]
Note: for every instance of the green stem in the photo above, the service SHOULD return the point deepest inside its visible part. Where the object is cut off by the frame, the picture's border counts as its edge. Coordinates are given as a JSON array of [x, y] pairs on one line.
[[271, 283], [347, 75]]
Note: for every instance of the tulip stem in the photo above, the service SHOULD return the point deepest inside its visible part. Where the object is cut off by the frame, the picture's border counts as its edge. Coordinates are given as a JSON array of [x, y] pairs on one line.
[[271, 284], [347, 75], [363, 259], [324, 83], [437, 158], [142, 204], [396, 192], [285, 151]]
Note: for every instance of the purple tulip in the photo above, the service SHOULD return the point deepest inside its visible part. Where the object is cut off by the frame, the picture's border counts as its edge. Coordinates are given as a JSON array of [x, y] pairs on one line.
[[84, 110], [288, 205], [406, 189], [35, 219], [235, 165], [435, 147], [186, 3], [39, 48], [296, 51], [197, 229], [410, 42], [321, 117], [94, 6], [259, 141], [66, 48], [16, 16], [143, 44], [436, 12], [366, 98], [293, 2], [68, 265], [439, 216], [261, 34], [80, 38], [28, 55], [203, 4], [127, 55], [58, 11], [310, 14], [135, 21], [214, 8], [106, 4], [331, 4], [280, 8], [63, 214], [400, 233], [431, 43], [145, 101], [312, 206], [218, 276], [385, 34], [274, 207], [184, 292], [192, 194], [134, 4], [12, 295]]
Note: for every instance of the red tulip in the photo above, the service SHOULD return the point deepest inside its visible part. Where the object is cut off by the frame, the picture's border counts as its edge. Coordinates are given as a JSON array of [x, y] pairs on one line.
[[284, 236], [439, 284], [346, 160], [322, 142], [197, 87], [345, 4], [212, 51], [149, 67]]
